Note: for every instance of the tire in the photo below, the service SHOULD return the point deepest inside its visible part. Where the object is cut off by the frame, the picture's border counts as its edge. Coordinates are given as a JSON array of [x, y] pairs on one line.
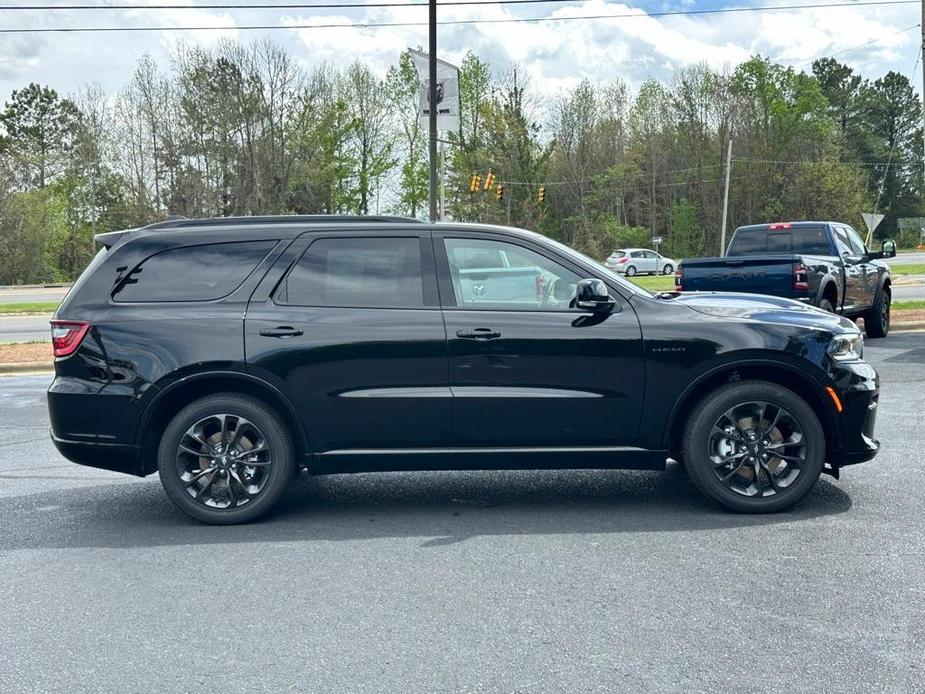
[[702, 447], [877, 318], [250, 484], [630, 270], [826, 305], [668, 269]]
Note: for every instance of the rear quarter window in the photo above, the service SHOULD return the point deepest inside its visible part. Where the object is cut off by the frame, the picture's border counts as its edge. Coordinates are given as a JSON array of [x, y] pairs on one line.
[[191, 273]]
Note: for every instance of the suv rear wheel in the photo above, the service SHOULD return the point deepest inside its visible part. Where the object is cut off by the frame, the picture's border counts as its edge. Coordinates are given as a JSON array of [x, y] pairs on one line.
[[754, 446], [225, 459]]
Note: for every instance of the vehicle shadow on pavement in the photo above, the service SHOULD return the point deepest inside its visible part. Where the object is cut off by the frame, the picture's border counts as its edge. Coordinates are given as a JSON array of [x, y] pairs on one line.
[[440, 508]]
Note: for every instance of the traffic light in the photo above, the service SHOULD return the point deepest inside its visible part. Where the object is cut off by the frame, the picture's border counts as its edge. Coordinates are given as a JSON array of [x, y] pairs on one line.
[[541, 194], [475, 183], [499, 192], [489, 180]]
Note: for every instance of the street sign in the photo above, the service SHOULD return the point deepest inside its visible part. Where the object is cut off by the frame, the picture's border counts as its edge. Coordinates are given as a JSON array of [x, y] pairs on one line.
[[656, 240]]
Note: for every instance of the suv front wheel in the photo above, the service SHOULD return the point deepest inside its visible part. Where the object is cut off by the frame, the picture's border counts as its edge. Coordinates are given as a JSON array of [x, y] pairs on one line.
[[225, 459], [754, 446]]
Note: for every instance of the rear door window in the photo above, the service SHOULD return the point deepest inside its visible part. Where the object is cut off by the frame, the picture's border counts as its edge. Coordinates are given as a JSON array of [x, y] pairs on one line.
[[191, 273], [369, 272]]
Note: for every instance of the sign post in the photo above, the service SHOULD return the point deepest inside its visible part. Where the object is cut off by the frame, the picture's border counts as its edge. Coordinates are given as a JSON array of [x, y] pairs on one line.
[[657, 241], [438, 110]]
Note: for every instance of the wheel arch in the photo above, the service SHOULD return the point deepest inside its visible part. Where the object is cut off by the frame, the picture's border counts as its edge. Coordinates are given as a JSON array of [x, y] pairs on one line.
[[800, 382], [828, 289], [177, 395]]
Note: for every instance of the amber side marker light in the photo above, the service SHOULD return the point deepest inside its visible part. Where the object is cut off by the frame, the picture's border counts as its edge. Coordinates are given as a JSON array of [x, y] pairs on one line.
[[834, 397]]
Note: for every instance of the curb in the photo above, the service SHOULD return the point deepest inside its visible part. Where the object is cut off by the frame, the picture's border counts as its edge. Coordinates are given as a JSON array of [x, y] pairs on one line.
[[907, 325], [26, 367]]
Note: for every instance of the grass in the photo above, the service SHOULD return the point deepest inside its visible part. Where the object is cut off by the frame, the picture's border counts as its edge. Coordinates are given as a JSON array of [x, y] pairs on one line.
[[654, 283], [32, 307], [911, 269], [908, 305]]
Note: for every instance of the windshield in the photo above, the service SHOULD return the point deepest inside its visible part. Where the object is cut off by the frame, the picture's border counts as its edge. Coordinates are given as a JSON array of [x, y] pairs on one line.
[[575, 255]]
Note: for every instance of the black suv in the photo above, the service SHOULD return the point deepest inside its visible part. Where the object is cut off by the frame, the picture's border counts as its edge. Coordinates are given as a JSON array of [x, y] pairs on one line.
[[227, 353]]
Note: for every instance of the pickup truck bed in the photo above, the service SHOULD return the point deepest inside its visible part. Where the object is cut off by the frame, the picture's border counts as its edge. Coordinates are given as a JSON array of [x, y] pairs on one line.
[[824, 264]]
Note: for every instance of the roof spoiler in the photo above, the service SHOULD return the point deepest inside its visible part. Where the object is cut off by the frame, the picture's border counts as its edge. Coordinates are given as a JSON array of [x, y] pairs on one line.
[[110, 238]]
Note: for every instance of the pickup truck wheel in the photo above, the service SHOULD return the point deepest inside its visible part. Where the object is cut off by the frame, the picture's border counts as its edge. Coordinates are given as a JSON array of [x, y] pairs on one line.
[[826, 305], [754, 446], [877, 318], [668, 269], [631, 270], [225, 459]]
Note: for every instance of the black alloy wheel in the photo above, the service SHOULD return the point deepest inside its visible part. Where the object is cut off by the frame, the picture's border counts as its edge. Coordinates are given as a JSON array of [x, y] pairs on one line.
[[754, 446], [225, 459]]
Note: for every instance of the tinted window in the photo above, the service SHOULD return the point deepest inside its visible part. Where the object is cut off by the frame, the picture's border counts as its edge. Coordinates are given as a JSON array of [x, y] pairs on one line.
[[518, 279], [856, 244], [841, 238], [810, 240], [362, 272], [192, 273], [617, 254]]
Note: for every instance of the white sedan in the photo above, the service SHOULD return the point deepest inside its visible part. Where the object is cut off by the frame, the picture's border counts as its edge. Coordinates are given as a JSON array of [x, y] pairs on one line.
[[639, 261]]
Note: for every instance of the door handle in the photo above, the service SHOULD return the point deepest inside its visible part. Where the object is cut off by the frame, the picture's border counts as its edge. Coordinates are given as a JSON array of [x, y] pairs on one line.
[[282, 331], [478, 334]]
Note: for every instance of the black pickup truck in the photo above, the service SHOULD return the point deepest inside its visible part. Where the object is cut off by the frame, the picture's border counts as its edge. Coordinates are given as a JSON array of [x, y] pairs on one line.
[[824, 264]]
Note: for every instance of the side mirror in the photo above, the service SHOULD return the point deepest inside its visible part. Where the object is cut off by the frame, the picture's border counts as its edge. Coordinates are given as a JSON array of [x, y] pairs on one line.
[[592, 295], [887, 250]]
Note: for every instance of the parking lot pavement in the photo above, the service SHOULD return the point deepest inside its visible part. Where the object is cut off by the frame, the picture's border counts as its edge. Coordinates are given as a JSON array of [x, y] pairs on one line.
[[584, 581]]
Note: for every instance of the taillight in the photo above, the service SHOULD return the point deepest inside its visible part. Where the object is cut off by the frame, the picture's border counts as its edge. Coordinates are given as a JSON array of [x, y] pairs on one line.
[[780, 226], [622, 260], [66, 336], [800, 276], [679, 280]]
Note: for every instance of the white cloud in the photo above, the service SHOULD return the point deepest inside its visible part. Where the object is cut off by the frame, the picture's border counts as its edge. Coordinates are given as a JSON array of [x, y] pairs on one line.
[[556, 55]]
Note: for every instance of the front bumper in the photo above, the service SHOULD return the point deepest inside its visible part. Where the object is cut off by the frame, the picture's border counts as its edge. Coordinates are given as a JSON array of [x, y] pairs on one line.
[[858, 387]]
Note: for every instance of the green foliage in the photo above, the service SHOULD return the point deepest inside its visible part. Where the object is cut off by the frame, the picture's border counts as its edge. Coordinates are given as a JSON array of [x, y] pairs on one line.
[[243, 129]]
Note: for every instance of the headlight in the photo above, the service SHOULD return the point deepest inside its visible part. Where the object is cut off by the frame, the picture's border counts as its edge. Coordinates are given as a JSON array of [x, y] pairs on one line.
[[847, 347]]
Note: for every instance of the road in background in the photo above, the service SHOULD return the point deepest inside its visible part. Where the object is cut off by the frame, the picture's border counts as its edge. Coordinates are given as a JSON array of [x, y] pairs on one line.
[[579, 581], [28, 295], [907, 258], [25, 328]]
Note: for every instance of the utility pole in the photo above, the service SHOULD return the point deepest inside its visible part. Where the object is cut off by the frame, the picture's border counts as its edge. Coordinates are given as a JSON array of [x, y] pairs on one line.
[[923, 89], [722, 241], [432, 104]]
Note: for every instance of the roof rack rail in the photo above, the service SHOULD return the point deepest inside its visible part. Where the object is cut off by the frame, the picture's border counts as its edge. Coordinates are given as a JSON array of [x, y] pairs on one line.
[[180, 222]]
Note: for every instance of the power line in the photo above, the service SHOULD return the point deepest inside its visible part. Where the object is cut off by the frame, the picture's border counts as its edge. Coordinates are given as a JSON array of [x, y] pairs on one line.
[[344, 5], [853, 48], [510, 20]]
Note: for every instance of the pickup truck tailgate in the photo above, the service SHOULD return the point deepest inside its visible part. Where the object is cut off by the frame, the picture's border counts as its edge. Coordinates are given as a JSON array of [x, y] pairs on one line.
[[768, 274]]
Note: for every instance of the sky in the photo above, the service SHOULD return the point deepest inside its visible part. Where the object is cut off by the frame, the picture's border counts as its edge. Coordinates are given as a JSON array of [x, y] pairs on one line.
[[556, 54]]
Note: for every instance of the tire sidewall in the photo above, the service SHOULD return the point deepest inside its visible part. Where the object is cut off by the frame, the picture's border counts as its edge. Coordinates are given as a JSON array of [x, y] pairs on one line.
[[631, 271], [701, 423], [273, 429], [667, 269], [826, 306], [874, 324]]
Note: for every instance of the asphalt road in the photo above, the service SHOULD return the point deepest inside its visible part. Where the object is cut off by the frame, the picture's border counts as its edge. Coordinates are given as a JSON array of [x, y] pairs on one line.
[[24, 328], [16, 295], [582, 581]]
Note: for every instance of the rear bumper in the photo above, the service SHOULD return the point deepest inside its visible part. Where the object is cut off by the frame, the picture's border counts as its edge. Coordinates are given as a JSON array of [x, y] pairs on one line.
[[94, 424], [117, 457]]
